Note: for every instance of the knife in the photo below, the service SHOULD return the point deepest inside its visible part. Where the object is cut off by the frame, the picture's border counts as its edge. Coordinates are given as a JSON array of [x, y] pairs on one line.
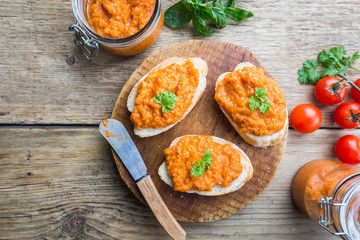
[[115, 133]]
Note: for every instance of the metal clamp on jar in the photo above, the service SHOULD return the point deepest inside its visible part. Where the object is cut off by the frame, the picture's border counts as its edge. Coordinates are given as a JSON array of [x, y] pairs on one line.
[[329, 193], [88, 41]]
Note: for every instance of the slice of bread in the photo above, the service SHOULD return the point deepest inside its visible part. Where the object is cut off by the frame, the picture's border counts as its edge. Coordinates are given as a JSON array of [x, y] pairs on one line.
[[217, 190], [256, 141], [199, 64]]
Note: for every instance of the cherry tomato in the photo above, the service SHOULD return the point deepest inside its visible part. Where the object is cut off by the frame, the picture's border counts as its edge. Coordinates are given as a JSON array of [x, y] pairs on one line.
[[344, 118], [354, 93], [305, 118], [347, 149], [327, 93]]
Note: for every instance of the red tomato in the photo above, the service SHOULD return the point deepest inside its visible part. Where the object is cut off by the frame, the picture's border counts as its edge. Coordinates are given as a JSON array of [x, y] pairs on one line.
[[354, 93], [305, 118], [326, 95], [343, 116], [347, 149]]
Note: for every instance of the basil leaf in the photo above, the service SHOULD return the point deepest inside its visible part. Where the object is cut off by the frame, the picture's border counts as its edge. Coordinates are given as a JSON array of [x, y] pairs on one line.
[[220, 19], [230, 3], [177, 15], [221, 4], [200, 26], [189, 5], [201, 12], [205, 13], [237, 14]]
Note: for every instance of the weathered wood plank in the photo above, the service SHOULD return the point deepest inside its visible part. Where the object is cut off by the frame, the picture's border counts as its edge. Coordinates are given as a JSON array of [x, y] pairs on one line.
[[44, 78], [60, 183]]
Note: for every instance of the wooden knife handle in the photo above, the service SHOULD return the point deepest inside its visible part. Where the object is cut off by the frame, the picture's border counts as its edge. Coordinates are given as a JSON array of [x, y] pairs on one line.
[[160, 210]]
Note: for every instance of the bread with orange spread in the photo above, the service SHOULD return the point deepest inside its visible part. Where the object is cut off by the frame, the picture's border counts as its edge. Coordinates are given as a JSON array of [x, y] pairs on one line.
[[262, 141], [199, 64], [245, 175]]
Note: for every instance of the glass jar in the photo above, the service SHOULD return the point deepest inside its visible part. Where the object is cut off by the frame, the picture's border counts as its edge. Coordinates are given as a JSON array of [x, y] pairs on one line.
[[329, 193], [88, 41]]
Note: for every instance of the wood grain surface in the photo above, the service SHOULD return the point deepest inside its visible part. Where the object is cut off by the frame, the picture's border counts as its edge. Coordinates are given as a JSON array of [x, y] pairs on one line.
[[58, 179], [205, 119], [62, 183], [46, 80]]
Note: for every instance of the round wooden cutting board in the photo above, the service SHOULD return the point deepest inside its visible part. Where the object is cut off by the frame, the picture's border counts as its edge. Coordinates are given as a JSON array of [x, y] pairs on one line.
[[205, 119]]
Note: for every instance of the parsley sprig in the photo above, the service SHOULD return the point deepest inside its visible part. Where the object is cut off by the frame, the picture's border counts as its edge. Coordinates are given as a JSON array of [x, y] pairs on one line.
[[259, 101], [167, 100], [199, 169], [334, 63], [200, 12]]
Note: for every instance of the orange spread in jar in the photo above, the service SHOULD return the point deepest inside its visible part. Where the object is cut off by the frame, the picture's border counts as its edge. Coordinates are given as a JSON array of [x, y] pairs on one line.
[[180, 79], [225, 164], [233, 94], [118, 18], [316, 180]]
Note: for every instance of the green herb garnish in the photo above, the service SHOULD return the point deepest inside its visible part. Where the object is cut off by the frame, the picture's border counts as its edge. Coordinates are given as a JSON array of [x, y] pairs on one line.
[[199, 169], [333, 62], [259, 101], [200, 12], [167, 100]]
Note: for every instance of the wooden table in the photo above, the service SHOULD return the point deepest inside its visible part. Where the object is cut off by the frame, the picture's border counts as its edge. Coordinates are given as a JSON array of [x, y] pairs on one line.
[[58, 179]]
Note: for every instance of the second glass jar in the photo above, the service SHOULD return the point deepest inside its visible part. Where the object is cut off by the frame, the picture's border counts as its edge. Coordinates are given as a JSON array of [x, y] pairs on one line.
[[329, 193]]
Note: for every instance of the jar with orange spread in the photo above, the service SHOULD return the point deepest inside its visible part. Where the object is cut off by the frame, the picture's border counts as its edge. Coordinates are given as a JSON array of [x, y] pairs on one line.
[[121, 27], [329, 193]]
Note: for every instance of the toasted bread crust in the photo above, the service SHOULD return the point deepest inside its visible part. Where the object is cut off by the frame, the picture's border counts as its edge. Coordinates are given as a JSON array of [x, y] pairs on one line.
[[199, 63], [217, 190], [256, 141]]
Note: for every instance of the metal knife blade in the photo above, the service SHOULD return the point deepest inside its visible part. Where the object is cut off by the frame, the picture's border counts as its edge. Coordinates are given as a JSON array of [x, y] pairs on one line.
[[115, 133]]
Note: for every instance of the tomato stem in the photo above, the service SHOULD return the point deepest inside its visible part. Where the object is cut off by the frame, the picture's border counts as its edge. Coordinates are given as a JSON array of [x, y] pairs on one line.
[[342, 80], [356, 69], [354, 117], [350, 82], [335, 87]]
